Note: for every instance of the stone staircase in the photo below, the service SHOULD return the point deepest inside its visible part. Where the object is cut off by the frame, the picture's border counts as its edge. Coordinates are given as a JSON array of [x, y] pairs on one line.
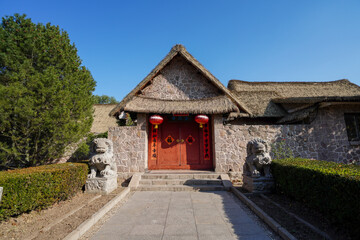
[[207, 181]]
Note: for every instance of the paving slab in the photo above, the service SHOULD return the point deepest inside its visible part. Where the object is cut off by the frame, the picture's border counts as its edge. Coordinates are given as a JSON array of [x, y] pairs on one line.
[[180, 230], [183, 215]]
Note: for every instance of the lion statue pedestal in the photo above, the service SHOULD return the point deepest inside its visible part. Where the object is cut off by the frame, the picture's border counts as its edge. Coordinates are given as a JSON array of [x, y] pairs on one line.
[[103, 172], [257, 177]]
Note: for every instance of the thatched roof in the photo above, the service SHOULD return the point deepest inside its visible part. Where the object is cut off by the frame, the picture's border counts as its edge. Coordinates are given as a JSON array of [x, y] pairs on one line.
[[214, 105], [304, 100], [260, 104], [176, 50], [102, 120], [261, 98], [299, 89]]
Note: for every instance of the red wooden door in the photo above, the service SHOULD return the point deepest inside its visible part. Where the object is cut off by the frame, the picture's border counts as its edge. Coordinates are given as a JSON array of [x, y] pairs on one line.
[[180, 145]]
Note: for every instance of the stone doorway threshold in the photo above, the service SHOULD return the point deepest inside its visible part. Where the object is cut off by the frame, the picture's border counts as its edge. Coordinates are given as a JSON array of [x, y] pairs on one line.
[[180, 180], [180, 172]]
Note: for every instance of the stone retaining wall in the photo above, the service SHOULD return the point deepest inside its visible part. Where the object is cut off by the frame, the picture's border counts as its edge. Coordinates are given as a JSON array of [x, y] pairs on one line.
[[324, 139]]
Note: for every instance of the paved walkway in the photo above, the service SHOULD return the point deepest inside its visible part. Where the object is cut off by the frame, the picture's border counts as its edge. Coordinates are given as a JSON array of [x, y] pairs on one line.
[[182, 215]]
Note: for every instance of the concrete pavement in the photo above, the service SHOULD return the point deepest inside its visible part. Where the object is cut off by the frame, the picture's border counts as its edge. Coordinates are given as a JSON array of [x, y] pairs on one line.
[[182, 215]]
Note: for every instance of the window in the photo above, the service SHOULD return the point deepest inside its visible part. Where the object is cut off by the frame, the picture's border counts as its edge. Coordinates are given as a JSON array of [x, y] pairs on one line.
[[352, 121]]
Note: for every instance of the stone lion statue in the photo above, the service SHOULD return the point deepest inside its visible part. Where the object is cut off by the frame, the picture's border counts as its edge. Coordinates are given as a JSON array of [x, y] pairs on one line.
[[258, 159], [102, 163]]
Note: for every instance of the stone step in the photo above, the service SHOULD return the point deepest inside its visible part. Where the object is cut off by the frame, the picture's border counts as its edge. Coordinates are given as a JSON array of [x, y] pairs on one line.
[[178, 188], [166, 182], [180, 176]]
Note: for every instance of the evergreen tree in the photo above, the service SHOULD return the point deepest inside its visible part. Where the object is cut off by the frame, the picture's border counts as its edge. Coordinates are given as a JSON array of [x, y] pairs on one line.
[[45, 92], [104, 99]]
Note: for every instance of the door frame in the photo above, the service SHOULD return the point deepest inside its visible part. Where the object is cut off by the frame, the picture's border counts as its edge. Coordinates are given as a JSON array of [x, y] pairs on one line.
[[153, 163]]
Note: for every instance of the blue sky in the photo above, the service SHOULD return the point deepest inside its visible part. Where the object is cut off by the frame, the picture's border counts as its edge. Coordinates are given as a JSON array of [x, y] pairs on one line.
[[120, 42]]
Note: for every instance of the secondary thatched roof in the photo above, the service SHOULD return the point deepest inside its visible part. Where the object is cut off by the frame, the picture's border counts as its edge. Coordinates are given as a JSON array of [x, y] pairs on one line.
[[176, 50], [261, 97], [299, 89], [215, 105], [102, 120], [260, 104], [317, 99]]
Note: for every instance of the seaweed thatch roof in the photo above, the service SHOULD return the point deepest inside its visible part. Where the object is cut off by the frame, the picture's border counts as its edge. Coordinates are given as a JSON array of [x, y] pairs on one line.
[[214, 105], [175, 51], [260, 104], [261, 98], [102, 120], [312, 100]]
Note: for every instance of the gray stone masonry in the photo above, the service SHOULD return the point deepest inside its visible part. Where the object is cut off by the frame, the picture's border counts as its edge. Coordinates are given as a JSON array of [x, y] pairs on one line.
[[130, 147], [179, 80], [324, 139], [183, 215]]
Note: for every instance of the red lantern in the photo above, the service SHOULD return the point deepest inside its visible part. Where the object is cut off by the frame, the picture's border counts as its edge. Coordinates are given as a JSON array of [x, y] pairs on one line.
[[156, 120], [201, 119]]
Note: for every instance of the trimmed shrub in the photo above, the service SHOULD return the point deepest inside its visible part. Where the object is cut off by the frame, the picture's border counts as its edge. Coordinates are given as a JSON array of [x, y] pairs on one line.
[[38, 187], [329, 187]]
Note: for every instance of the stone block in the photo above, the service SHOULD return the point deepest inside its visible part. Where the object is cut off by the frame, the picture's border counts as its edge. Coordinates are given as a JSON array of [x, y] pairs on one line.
[[258, 185], [102, 185], [1, 191]]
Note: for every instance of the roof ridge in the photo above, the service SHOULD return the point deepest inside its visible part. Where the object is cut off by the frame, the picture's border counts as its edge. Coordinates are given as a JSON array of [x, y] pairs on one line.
[[292, 82], [180, 100], [267, 91], [179, 47]]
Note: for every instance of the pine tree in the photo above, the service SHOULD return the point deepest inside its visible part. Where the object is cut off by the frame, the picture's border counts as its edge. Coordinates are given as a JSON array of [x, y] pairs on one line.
[[45, 92]]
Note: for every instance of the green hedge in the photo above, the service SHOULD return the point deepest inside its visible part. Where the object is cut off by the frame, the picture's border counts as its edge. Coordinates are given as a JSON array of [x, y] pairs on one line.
[[38, 187], [331, 188]]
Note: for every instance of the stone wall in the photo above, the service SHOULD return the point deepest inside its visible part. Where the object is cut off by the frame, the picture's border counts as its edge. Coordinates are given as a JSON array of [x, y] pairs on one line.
[[179, 80], [130, 147], [324, 139]]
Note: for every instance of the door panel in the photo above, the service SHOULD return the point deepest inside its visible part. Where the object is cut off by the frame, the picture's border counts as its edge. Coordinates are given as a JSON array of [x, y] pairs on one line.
[[190, 148], [169, 146]]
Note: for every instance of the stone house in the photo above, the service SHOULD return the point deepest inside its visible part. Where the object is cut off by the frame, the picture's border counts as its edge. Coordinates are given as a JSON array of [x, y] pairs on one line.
[[319, 120]]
